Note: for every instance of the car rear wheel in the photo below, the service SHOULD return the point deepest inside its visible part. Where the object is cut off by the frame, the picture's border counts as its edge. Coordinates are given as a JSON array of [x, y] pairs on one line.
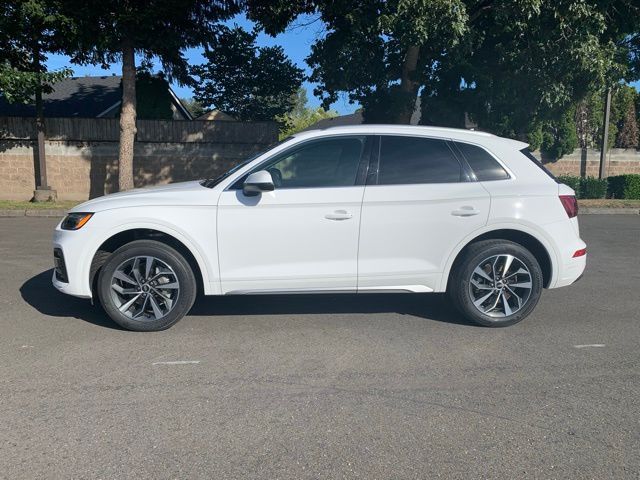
[[146, 285], [496, 283]]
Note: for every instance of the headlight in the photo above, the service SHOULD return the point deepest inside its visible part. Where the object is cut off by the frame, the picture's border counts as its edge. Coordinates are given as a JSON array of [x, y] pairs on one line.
[[75, 221]]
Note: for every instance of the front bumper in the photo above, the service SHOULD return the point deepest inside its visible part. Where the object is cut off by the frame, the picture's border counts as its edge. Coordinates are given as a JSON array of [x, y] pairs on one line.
[[71, 246]]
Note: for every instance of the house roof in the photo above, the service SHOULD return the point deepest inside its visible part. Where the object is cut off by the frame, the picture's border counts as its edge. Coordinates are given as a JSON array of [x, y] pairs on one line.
[[216, 115], [73, 97], [82, 97], [340, 121]]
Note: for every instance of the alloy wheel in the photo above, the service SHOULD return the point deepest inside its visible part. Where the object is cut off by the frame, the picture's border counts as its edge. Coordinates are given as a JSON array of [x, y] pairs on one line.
[[500, 285], [144, 288]]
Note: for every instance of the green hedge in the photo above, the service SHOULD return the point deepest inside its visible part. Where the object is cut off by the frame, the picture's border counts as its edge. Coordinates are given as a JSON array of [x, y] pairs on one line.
[[621, 186], [624, 186], [571, 181], [589, 187]]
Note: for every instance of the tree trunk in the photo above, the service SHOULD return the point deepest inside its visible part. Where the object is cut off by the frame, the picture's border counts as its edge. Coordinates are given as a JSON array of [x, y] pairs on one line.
[[42, 158], [127, 119], [408, 84]]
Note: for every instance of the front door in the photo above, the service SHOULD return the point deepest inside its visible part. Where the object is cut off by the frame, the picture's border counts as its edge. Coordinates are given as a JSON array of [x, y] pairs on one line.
[[303, 235]]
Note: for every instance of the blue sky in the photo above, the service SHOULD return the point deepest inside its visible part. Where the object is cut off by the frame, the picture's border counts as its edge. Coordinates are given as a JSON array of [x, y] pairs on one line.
[[296, 41]]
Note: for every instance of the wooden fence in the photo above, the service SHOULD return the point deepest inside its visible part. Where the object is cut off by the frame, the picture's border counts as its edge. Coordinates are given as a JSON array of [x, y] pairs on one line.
[[171, 131]]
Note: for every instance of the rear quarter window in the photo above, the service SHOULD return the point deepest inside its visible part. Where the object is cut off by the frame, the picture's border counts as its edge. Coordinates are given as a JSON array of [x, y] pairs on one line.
[[484, 166]]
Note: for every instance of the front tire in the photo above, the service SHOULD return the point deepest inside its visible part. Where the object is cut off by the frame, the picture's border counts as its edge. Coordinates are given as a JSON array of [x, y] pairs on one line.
[[496, 283], [146, 286]]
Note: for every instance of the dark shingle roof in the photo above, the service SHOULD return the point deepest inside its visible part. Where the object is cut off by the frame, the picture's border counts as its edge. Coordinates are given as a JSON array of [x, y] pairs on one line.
[[72, 97], [340, 121]]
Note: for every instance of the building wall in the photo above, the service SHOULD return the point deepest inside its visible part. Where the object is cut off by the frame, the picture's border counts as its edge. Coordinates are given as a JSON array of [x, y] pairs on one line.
[[79, 170], [586, 163]]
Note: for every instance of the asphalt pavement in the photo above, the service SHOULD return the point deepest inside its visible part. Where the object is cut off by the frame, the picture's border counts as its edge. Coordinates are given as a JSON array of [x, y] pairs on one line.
[[327, 387]]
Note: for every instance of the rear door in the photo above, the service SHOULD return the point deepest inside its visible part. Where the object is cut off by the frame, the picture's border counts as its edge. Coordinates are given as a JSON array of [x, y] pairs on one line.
[[419, 203]]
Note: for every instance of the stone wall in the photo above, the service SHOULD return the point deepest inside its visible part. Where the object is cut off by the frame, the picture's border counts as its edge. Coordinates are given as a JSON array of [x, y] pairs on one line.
[[586, 163], [79, 170]]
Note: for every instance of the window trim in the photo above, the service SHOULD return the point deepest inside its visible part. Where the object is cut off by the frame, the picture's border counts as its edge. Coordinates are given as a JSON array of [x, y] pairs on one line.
[[363, 162], [470, 169], [374, 169]]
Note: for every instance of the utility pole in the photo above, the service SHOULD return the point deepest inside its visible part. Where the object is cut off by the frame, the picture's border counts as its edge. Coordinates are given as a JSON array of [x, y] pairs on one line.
[[605, 135]]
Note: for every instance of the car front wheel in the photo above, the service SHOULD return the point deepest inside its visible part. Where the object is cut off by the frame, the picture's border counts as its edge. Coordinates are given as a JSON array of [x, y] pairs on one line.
[[146, 285], [496, 283]]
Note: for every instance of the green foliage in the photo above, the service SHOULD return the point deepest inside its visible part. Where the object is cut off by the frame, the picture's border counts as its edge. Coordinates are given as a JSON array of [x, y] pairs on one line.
[[591, 187], [28, 31], [559, 137], [628, 134], [152, 97], [243, 80], [196, 109], [620, 186], [19, 86], [624, 186], [302, 116], [509, 65], [571, 181], [156, 30]]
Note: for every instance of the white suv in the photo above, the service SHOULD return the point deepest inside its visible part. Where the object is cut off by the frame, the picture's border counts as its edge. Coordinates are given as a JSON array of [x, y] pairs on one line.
[[373, 208]]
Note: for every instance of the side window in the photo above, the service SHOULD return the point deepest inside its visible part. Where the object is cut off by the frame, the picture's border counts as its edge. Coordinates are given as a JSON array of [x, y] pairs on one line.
[[482, 163], [406, 160], [323, 163]]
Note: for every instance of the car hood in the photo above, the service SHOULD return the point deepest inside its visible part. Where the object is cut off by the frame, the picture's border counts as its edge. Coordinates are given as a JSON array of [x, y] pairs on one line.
[[174, 194]]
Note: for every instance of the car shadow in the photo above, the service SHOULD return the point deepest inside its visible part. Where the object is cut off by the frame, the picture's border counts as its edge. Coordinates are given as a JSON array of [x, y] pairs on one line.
[[41, 295]]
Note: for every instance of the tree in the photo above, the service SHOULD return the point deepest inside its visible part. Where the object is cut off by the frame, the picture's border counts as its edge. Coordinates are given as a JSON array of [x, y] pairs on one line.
[[628, 134], [28, 31], [195, 108], [507, 65], [302, 116], [243, 80], [118, 30]]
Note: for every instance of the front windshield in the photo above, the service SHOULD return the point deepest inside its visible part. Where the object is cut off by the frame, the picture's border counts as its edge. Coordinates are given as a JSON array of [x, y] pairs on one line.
[[213, 181]]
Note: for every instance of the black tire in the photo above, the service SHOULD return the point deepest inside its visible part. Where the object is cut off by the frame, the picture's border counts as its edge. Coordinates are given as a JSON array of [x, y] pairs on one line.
[[459, 285], [163, 252]]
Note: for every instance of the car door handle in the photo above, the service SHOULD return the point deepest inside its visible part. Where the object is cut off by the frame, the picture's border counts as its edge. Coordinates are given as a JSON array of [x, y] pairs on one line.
[[339, 215], [466, 211]]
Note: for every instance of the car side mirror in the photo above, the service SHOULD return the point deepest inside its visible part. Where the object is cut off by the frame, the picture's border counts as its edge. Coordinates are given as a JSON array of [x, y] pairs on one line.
[[258, 182]]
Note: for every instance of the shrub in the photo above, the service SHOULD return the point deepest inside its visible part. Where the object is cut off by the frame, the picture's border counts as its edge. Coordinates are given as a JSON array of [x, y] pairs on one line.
[[624, 186], [591, 187], [571, 181]]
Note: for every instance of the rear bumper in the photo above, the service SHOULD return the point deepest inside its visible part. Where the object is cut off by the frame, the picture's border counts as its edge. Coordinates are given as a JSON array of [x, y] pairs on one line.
[[568, 269]]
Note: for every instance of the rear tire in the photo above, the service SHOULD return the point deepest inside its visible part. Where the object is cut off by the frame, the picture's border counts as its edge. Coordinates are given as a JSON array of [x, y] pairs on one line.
[[146, 286], [488, 295]]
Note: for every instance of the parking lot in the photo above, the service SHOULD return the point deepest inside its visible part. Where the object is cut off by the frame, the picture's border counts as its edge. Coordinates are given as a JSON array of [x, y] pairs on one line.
[[370, 386]]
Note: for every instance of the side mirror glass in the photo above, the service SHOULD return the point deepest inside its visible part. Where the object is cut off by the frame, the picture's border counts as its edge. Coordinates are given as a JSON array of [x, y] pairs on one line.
[[258, 182]]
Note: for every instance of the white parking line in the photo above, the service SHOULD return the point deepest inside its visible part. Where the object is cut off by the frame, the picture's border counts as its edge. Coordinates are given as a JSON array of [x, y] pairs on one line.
[[178, 362], [590, 345]]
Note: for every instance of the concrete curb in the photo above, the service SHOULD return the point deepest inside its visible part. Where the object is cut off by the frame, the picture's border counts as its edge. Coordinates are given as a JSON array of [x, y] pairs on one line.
[[608, 211], [33, 213]]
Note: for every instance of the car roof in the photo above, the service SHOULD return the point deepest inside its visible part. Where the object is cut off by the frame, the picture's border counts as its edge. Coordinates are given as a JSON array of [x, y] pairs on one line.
[[473, 136]]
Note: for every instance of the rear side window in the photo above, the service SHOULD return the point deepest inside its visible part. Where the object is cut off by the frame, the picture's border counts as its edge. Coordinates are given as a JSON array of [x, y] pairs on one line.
[[485, 167], [405, 160]]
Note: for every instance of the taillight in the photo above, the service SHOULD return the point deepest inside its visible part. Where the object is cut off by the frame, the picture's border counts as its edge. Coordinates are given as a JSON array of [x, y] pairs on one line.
[[580, 253], [570, 205]]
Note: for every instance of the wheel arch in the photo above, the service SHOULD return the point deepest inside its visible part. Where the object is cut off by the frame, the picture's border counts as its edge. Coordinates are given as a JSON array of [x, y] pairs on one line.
[[535, 243], [170, 238]]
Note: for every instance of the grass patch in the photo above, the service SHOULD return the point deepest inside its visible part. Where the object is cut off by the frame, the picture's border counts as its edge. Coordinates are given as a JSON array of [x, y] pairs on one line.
[[609, 203], [13, 205]]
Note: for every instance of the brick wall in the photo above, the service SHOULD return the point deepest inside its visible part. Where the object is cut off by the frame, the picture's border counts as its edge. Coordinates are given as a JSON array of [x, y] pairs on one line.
[[79, 170], [587, 163]]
